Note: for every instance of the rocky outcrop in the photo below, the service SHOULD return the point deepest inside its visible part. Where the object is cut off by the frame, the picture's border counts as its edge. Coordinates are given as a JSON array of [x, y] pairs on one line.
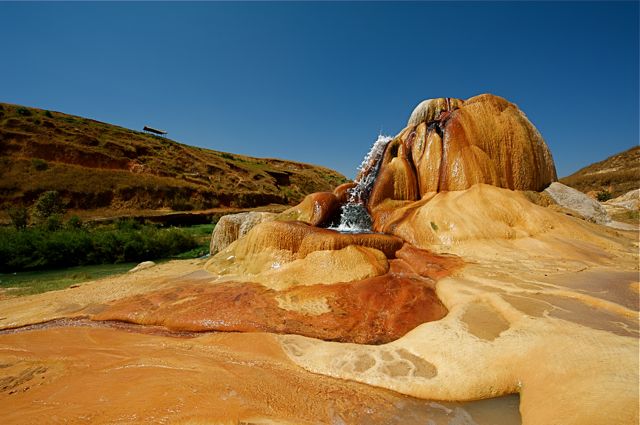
[[233, 226], [281, 254], [578, 202], [342, 192], [450, 145], [315, 209], [448, 221], [367, 311], [300, 239], [630, 201], [142, 266]]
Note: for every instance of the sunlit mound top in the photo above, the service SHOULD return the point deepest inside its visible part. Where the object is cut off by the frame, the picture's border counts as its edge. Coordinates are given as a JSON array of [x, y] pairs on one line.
[[430, 109]]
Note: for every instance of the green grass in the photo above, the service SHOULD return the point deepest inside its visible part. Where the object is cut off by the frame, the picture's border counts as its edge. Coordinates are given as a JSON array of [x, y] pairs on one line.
[[41, 248], [202, 234], [36, 282]]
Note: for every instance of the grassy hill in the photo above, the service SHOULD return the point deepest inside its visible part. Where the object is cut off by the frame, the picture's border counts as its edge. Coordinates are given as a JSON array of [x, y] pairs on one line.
[[616, 175], [95, 165]]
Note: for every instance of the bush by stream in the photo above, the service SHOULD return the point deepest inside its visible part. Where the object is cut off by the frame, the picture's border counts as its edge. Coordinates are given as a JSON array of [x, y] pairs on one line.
[[72, 244]]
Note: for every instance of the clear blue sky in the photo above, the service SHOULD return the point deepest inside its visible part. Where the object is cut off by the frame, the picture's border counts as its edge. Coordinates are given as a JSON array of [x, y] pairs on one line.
[[316, 82]]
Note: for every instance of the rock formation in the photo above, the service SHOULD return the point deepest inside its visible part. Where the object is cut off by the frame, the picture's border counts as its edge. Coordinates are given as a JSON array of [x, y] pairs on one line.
[[315, 209], [568, 197], [359, 309], [233, 226], [451, 144]]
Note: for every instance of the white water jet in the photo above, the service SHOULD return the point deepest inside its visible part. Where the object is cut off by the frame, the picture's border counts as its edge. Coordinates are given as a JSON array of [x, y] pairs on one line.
[[354, 217]]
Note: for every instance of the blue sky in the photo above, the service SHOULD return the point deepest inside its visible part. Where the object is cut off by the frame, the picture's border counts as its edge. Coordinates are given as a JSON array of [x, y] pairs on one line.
[[316, 82]]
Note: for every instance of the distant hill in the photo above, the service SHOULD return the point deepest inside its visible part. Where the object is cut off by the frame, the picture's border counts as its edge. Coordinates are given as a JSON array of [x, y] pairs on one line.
[[617, 174], [97, 165]]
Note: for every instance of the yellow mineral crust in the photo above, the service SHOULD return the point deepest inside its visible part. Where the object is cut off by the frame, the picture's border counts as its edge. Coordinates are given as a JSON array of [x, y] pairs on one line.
[[284, 254], [278, 270], [547, 307], [489, 215]]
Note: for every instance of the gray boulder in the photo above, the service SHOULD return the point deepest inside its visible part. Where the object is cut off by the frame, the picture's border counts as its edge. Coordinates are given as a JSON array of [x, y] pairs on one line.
[[576, 201]]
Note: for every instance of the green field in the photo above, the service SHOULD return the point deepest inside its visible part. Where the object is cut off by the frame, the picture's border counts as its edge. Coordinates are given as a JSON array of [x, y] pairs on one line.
[[202, 234], [35, 282]]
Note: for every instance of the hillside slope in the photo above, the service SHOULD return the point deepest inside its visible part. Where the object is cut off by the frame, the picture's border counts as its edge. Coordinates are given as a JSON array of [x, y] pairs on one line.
[[98, 165], [617, 174]]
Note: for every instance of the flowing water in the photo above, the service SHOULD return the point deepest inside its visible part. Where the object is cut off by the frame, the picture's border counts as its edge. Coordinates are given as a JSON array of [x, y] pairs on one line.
[[354, 217]]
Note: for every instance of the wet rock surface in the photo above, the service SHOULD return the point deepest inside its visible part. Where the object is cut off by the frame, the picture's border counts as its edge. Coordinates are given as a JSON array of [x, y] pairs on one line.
[[106, 376], [371, 311]]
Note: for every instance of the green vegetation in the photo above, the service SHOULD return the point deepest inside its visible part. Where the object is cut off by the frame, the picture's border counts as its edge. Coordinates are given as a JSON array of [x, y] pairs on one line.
[[50, 243], [603, 195], [19, 217], [35, 282], [39, 164], [37, 248], [48, 210], [202, 235], [25, 112], [71, 244]]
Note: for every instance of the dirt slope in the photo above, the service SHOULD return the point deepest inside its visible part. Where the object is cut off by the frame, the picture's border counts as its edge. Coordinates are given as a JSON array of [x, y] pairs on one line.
[[98, 165], [617, 174]]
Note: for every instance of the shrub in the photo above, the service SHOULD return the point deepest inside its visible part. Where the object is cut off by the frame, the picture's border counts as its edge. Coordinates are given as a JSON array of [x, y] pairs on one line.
[[126, 241], [19, 217], [128, 224], [48, 114], [603, 195], [74, 222], [39, 164], [24, 112], [48, 204], [52, 223]]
